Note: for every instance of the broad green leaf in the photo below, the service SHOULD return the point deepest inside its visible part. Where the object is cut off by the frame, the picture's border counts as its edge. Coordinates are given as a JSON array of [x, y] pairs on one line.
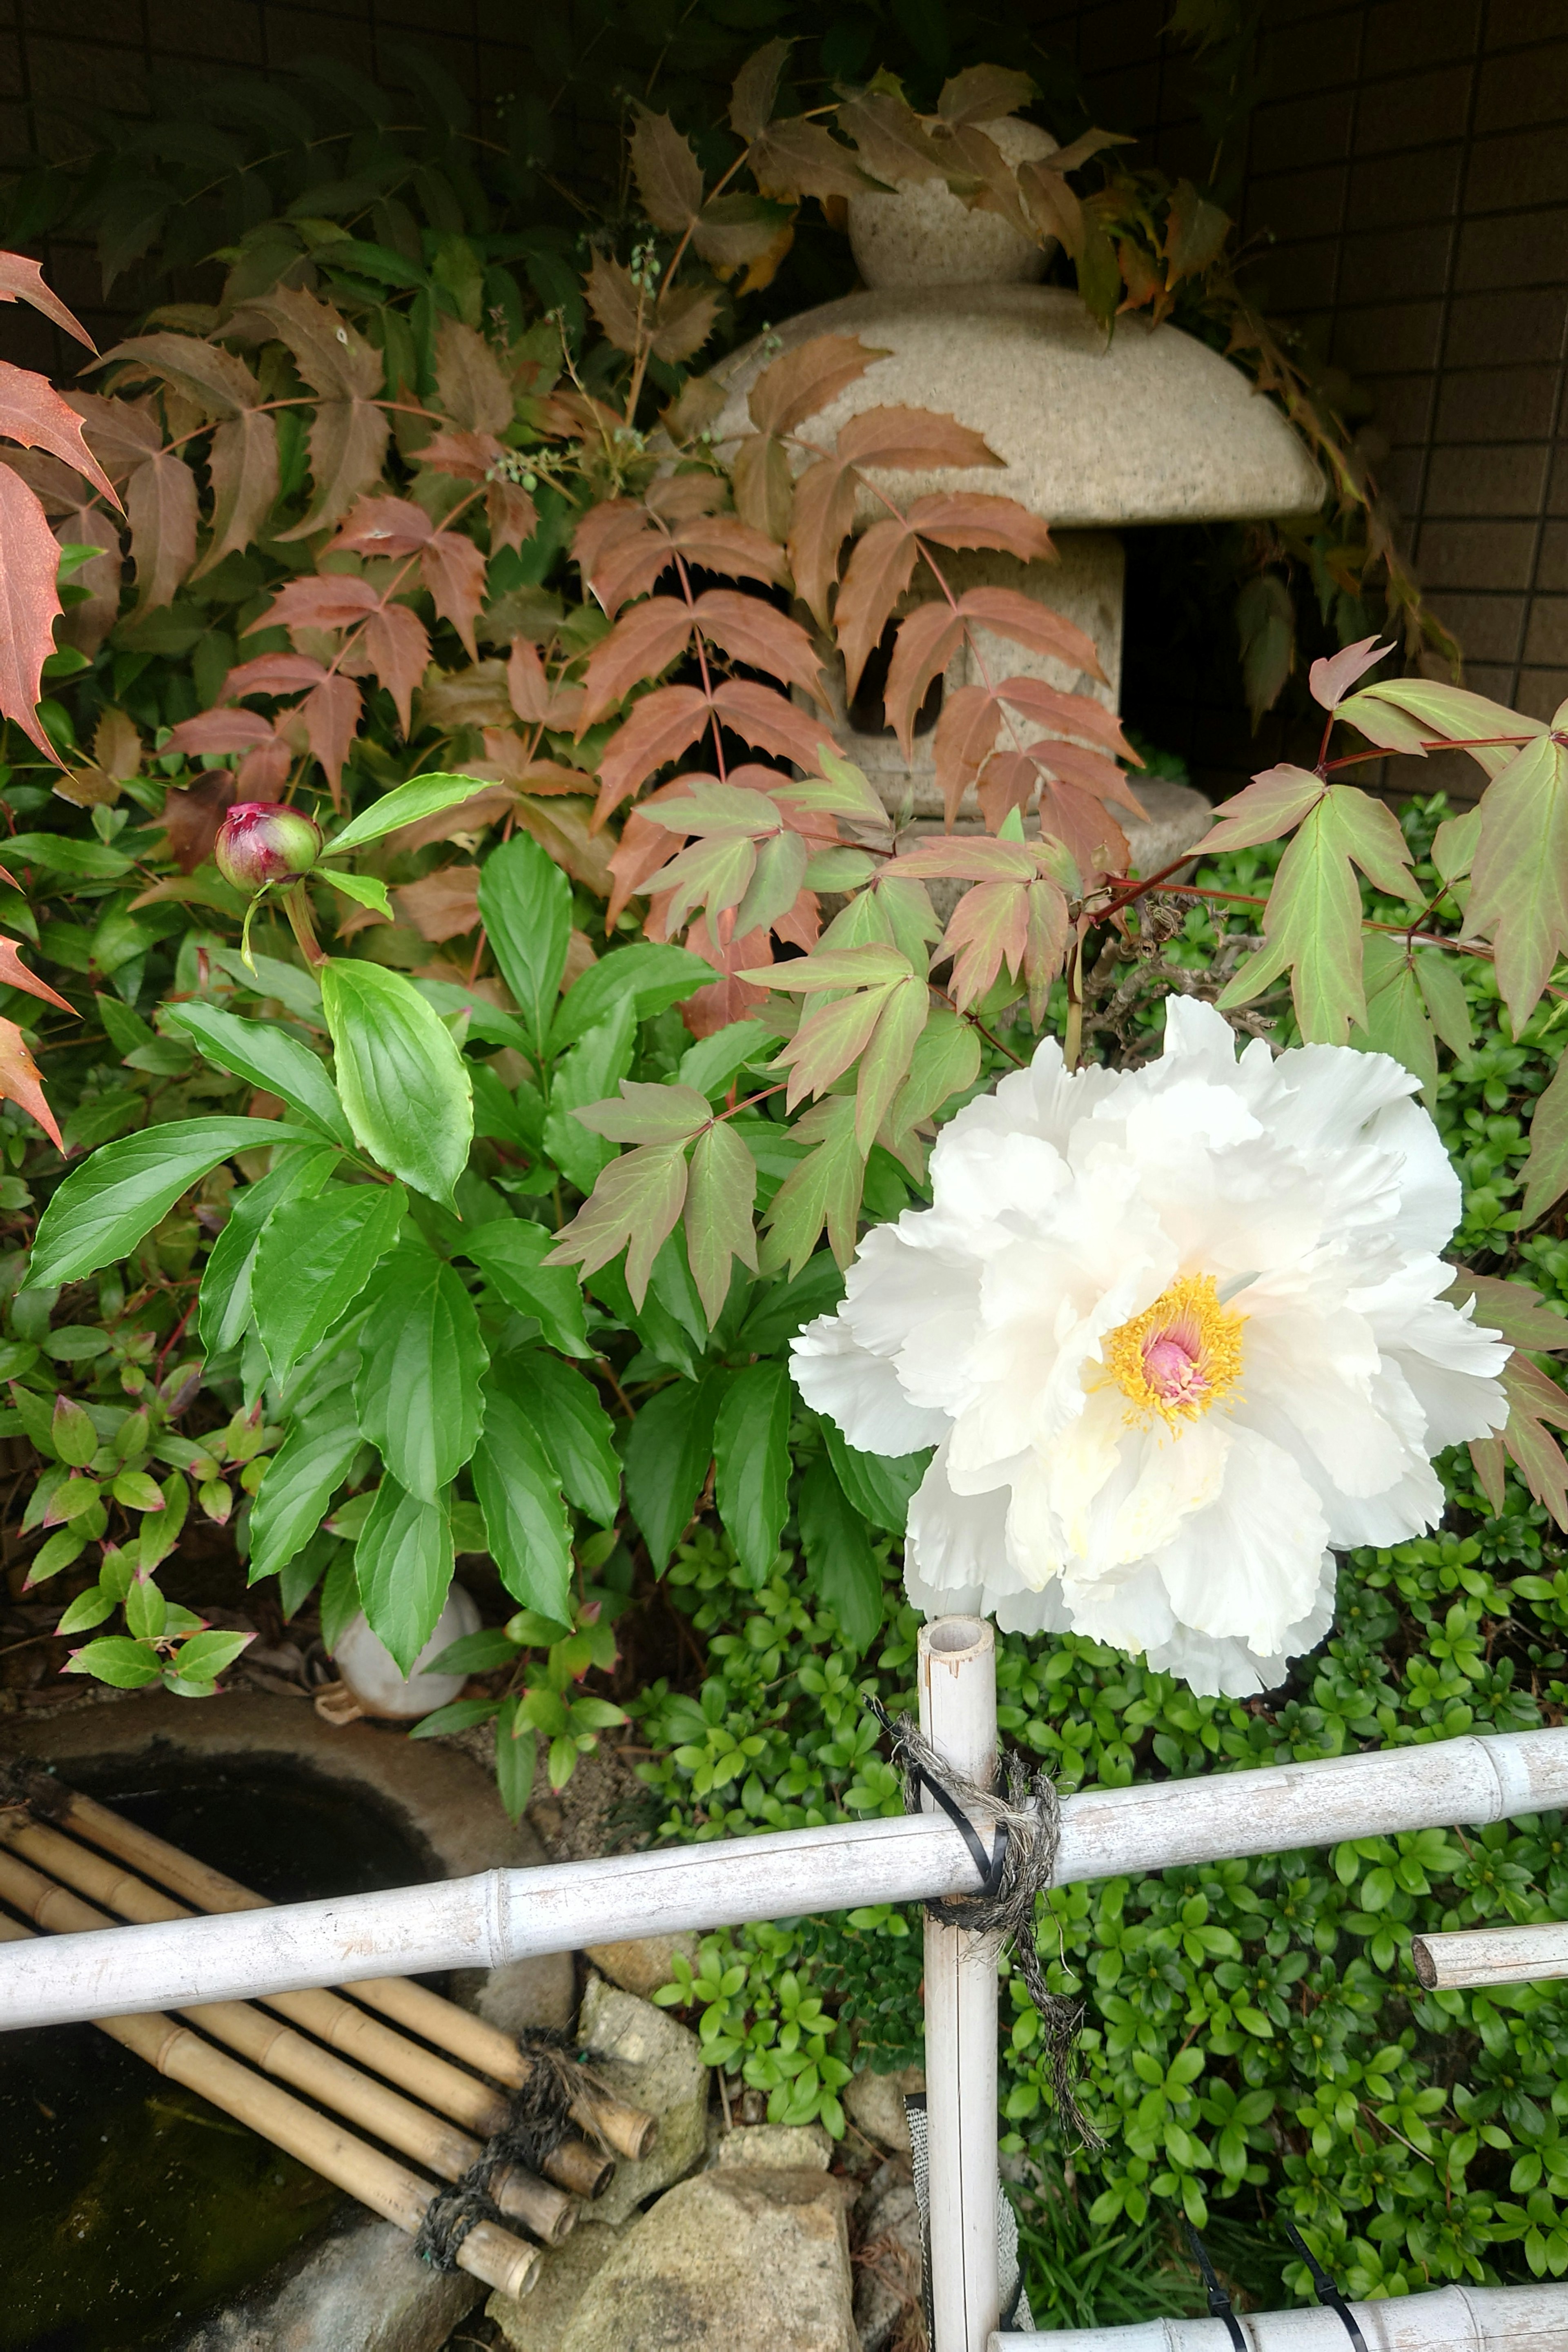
[[1396, 1021], [823, 1189], [668, 1450], [1546, 1170], [711, 1065], [123, 1664], [424, 797], [525, 1512], [59, 852], [664, 1113], [751, 1446], [945, 1061], [460, 1715], [474, 1654], [525, 901], [88, 1609], [878, 1484], [423, 1360], [1270, 804], [844, 1568], [510, 1253], [160, 1530], [339, 1599], [296, 990], [314, 1259], [268, 1058], [363, 888], [104, 1207], [302, 1480], [404, 1083], [780, 1310], [632, 1207], [585, 1076], [565, 1411], [490, 1026], [403, 1563], [1521, 892], [1439, 974], [721, 1189], [205, 1655], [517, 1755], [225, 1304], [653, 976]]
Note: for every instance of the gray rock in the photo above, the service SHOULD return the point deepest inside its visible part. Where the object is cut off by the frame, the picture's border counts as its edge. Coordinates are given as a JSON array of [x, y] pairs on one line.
[[537, 2322], [774, 2148], [736, 2261], [888, 2259], [650, 2061], [1178, 817], [874, 2105], [364, 2290], [642, 1963]]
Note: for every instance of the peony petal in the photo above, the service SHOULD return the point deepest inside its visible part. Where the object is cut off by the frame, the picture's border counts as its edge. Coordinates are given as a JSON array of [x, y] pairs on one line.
[[1248, 1566], [954, 1542], [859, 1390]]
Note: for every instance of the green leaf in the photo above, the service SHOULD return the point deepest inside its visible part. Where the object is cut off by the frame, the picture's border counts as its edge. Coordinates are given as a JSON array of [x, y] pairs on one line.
[[460, 1715], [945, 1061], [668, 1450], [844, 1568], [1546, 1170], [710, 1065], [145, 1609], [879, 1485], [296, 990], [517, 1755], [525, 902], [474, 1654], [340, 1600], [363, 888], [525, 1512], [104, 1208], [750, 1442], [1396, 1021], [586, 1075], [719, 1193], [782, 1309], [314, 1259], [203, 1657], [424, 797], [510, 1253], [1272, 804], [823, 1189], [423, 1360], [88, 1608], [404, 1083], [663, 1112], [1520, 890], [651, 976], [66, 1546], [578, 1435], [403, 1562], [1442, 986], [885, 1063], [301, 1479], [160, 1530], [268, 1058], [634, 1206], [224, 1307], [57, 853], [123, 1664], [71, 1432]]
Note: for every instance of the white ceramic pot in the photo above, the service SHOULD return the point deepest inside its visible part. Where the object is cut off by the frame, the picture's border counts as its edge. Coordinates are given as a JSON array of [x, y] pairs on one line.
[[370, 1674]]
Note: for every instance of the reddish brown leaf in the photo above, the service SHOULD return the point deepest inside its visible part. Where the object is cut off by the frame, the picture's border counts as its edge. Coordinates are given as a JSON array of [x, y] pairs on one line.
[[397, 649], [527, 685], [470, 382], [621, 552], [190, 819], [880, 568], [668, 176], [510, 513], [20, 1082], [750, 234], [990, 925], [659, 728], [1024, 621], [120, 432], [1052, 206], [753, 633], [161, 506], [29, 600], [680, 498], [822, 520], [965, 734], [453, 569], [32, 412], [243, 464], [1091, 835], [683, 321], [755, 88], [771, 723], [983, 94], [730, 998], [889, 138], [273, 673], [1090, 771], [487, 808], [384, 527], [797, 158], [333, 358], [966, 857], [56, 485], [443, 906], [217, 382], [13, 972], [975, 519], [1067, 714], [912, 438], [644, 848], [87, 625], [263, 773], [978, 157], [561, 828], [614, 301], [643, 642], [332, 712], [22, 280], [725, 543], [800, 382], [213, 732], [348, 448], [925, 644], [330, 600], [764, 487], [1009, 780], [467, 456]]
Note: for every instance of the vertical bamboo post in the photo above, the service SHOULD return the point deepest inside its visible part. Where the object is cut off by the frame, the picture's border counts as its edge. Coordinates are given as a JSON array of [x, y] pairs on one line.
[[958, 1716]]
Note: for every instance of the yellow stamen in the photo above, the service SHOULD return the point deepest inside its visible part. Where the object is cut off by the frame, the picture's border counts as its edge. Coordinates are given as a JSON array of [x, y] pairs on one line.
[[1180, 1356]]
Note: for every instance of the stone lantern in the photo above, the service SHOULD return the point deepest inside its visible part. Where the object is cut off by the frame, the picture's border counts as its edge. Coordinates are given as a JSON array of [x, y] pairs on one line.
[[1147, 425]]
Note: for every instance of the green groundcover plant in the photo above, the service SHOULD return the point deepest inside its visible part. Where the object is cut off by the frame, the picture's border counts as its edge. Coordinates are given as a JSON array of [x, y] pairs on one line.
[[491, 1006]]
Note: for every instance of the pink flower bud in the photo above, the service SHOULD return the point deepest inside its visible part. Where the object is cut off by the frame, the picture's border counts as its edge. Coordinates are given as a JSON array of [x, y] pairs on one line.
[[262, 841]]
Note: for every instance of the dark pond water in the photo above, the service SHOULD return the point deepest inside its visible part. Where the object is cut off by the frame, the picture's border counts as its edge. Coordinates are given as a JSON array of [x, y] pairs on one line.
[[128, 2205]]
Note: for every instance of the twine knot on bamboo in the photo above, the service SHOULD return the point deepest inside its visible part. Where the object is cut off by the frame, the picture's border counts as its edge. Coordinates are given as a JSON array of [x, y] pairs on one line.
[[538, 2118], [1024, 1820]]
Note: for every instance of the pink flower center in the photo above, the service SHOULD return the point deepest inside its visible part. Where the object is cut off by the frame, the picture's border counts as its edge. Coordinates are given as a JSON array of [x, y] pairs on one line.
[[1172, 1369]]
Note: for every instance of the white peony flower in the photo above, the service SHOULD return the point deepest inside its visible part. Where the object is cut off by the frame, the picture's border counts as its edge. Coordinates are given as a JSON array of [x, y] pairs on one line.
[[1174, 1332]]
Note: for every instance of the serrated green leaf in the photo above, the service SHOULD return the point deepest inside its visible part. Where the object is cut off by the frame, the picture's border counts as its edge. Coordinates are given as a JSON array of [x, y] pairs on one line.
[[402, 1564], [823, 1189], [1546, 1168], [633, 1206], [721, 1190], [301, 1479], [313, 1258], [844, 1568], [525, 1512], [106, 1206], [1313, 920], [1521, 892], [404, 806], [1269, 805], [712, 1063], [510, 1252], [422, 1361], [667, 1451], [752, 1463], [268, 1058], [1438, 973], [1396, 1021], [641, 1113], [565, 1413], [525, 902], [885, 1064], [403, 1081]]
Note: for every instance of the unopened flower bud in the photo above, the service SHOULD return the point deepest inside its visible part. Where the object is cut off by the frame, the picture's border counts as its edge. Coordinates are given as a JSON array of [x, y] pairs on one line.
[[263, 840]]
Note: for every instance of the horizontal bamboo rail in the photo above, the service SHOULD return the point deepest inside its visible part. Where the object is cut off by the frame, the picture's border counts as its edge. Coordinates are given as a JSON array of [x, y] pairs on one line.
[[629, 2131], [509, 1915], [1490, 1956], [1454, 2320], [277, 2049], [488, 2252]]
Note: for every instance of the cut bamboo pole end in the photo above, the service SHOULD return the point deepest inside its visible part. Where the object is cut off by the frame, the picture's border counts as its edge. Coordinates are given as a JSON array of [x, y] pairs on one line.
[[1490, 1956], [175, 2050]]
